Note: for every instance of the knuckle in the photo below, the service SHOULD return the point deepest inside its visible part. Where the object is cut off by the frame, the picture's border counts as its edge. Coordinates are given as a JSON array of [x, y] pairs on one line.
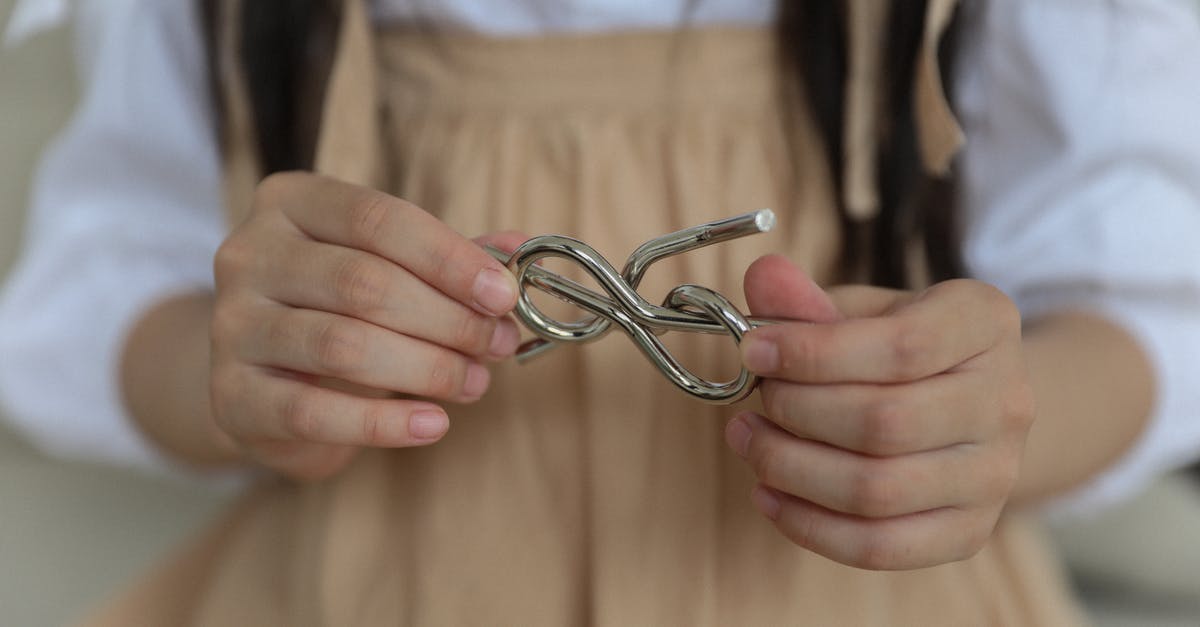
[[219, 387], [372, 427], [878, 550], [233, 257], [302, 415], [974, 537], [800, 355], [339, 349], [911, 346], [368, 220], [446, 257], [271, 191], [282, 330], [768, 463], [1019, 407], [473, 334], [1002, 469], [1010, 316], [1001, 305], [999, 482], [761, 460], [977, 537], [223, 388], [872, 492], [225, 324], [803, 531], [884, 427], [360, 285], [444, 375], [993, 305], [776, 401]]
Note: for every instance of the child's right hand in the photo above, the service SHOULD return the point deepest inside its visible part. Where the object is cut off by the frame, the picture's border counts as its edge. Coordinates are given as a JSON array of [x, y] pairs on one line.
[[327, 280]]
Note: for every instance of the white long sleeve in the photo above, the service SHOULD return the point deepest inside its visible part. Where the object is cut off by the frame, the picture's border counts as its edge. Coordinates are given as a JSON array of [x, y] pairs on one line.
[[125, 212], [1082, 189]]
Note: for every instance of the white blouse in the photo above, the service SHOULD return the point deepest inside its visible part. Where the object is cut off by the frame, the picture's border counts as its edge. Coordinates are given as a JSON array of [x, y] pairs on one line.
[[1081, 188]]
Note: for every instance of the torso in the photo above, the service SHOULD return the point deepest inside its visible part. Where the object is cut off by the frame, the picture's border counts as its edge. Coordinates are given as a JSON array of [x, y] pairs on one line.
[[583, 489]]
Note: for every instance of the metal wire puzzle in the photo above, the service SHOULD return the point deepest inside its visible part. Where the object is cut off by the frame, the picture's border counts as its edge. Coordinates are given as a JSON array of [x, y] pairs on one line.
[[691, 308]]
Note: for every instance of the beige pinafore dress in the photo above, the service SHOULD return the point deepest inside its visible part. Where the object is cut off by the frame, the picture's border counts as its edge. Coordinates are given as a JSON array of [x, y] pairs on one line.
[[583, 489]]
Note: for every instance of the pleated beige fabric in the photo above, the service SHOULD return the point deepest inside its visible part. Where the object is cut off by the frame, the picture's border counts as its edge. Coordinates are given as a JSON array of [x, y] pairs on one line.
[[583, 489]]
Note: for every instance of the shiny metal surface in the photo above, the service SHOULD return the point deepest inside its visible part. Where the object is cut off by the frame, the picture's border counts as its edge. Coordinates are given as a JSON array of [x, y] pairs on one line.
[[690, 308]]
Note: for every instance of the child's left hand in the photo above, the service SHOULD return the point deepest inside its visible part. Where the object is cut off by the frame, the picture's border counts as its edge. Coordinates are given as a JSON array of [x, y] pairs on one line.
[[895, 420]]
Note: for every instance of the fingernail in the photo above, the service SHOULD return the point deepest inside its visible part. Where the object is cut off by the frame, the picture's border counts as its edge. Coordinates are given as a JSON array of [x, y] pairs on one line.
[[494, 291], [765, 502], [737, 436], [760, 354], [428, 425], [477, 381], [504, 339]]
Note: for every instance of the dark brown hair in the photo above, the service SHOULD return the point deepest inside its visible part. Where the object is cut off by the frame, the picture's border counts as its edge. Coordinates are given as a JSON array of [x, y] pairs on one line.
[[285, 48]]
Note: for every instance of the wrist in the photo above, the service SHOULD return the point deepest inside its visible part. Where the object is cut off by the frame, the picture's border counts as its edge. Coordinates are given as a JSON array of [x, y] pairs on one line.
[[164, 382]]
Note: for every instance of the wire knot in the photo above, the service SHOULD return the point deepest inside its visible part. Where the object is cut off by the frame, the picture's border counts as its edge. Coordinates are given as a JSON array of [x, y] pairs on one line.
[[691, 308]]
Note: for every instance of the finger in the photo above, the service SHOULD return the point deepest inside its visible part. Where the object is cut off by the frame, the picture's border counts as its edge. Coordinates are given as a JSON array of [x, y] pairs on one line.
[[330, 345], [863, 301], [397, 230], [361, 285], [907, 542], [945, 326], [869, 486], [264, 406], [777, 288], [886, 419]]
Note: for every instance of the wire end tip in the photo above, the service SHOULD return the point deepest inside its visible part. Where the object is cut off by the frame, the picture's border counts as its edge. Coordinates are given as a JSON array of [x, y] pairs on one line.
[[764, 220]]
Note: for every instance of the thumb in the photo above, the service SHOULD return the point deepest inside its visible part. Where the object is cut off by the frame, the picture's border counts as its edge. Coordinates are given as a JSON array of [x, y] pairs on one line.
[[777, 288]]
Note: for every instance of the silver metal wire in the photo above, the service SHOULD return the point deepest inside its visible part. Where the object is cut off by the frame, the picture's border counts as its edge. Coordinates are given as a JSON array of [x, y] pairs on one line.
[[690, 308]]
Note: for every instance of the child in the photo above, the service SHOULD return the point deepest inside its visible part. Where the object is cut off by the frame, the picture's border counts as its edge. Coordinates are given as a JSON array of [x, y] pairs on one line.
[[582, 488]]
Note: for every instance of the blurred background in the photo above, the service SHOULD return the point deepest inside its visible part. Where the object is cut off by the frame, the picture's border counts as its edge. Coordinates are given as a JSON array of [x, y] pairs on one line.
[[73, 534], [70, 534]]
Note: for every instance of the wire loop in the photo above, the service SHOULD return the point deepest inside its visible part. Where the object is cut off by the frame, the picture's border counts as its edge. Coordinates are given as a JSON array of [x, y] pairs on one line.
[[690, 308]]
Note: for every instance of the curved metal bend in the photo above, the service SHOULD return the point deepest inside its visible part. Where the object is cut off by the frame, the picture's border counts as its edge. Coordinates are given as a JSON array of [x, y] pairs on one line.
[[687, 307]]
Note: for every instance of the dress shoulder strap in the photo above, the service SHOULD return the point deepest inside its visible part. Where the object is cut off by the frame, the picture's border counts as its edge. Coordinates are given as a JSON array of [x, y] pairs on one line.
[[938, 132], [348, 142], [348, 145]]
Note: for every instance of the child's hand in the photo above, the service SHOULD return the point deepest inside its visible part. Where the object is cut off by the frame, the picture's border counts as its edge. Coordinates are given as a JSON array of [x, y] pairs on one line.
[[895, 420], [327, 280]]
